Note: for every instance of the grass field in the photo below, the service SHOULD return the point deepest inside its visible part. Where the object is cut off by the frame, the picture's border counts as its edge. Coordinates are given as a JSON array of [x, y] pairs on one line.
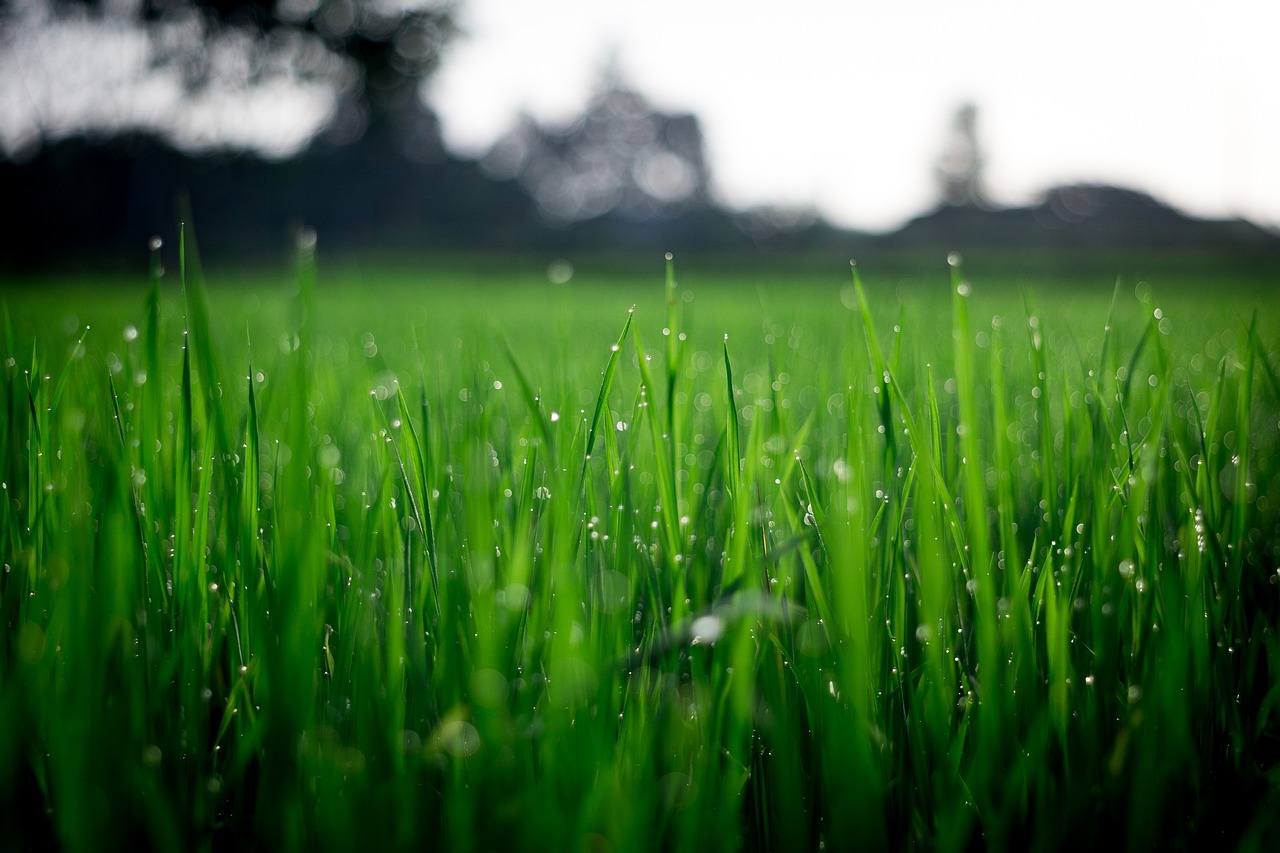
[[454, 557]]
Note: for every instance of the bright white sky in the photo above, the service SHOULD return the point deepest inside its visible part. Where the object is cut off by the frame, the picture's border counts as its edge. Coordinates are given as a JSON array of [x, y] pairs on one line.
[[845, 104]]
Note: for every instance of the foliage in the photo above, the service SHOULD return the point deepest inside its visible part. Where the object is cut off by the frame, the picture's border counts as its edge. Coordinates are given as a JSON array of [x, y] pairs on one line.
[[959, 170], [362, 61], [621, 155]]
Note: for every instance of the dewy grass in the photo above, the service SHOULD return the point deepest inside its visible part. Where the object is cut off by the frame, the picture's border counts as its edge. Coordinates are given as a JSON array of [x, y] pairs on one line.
[[834, 585]]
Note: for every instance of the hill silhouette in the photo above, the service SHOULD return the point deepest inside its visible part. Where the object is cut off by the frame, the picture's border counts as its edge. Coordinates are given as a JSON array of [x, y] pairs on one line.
[[1083, 217]]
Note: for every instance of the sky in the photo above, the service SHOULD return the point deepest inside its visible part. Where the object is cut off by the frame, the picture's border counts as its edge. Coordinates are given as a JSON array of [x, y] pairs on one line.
[[845, 105]]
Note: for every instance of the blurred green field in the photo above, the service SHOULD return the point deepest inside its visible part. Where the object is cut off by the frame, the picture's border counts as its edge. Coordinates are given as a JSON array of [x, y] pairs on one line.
[[449, 555], [469, 302]]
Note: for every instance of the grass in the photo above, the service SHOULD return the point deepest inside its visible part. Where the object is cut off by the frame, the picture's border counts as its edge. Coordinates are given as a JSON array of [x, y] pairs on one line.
[[486, 563]]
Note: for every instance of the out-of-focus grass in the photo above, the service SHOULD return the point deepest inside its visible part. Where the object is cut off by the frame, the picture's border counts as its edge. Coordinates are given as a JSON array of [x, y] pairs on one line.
[[458, 557]]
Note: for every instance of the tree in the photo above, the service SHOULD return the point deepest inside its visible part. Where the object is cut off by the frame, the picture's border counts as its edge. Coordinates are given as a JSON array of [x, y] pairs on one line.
[[959, 167], [622, 155], [348, 66]]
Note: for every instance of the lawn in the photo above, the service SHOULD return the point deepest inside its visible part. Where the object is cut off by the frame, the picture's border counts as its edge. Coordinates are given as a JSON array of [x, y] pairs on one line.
[[451, 556]]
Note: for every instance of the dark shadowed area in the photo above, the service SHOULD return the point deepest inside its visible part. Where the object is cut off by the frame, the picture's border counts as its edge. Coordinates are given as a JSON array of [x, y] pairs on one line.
[[254, 120]]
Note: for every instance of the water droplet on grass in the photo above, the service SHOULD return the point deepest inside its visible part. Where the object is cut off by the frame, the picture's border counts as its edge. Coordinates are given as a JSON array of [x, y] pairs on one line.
[[560, 272], [707, 629], [489, 688]]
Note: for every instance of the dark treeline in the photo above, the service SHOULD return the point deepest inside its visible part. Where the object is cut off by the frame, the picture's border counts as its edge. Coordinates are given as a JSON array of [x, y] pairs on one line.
[[86, 202], [104, 200]]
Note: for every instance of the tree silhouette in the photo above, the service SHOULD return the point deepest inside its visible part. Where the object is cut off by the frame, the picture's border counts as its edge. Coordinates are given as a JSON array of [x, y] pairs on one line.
[[621, 155], [959, 168], [364, 60]]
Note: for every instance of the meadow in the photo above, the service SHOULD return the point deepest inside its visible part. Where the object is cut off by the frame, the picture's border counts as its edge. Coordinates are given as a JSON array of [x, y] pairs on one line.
[[459, 557]]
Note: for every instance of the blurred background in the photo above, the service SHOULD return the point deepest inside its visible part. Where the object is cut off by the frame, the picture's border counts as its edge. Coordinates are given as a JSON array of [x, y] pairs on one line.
[[401, 127]]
